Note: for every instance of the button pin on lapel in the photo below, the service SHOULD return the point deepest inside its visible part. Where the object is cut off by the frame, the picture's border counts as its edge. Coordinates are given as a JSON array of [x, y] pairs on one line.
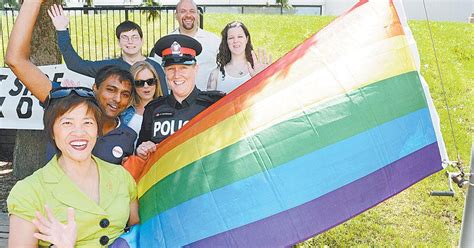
[[117, 151]]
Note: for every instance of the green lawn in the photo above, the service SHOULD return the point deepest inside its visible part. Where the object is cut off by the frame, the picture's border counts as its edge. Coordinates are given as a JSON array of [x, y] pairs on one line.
[[412, 218]]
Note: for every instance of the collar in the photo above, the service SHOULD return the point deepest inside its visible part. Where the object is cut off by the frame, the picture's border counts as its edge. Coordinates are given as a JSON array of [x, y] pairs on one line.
[[199, 33], [66, 192], [186, 102], [118, 122]]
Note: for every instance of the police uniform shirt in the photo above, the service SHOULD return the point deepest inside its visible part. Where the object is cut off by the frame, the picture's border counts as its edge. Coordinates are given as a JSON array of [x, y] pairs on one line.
[[164, 116]]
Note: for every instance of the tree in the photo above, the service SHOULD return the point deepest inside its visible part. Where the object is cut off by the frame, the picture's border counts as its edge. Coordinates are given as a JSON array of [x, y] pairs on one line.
[[9, 3], [30, 145], [285, 3]]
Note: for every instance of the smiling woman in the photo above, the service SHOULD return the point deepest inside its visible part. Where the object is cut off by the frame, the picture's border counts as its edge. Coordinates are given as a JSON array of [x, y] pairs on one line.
[[236, 61], [69, 185]]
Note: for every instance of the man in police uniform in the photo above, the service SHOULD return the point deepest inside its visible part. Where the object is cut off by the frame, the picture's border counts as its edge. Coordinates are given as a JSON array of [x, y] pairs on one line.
[[166, 115]]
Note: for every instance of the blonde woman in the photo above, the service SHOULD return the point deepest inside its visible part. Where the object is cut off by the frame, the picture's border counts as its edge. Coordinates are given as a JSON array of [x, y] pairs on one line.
[[145, 81]]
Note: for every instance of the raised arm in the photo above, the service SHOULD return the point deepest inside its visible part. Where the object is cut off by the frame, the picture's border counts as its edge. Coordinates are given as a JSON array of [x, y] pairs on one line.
[[18, 51], [73, 61]]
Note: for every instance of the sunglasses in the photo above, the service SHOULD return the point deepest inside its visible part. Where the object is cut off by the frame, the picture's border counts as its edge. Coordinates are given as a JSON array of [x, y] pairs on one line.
[[141, 83], [62, 92], [234, 24]]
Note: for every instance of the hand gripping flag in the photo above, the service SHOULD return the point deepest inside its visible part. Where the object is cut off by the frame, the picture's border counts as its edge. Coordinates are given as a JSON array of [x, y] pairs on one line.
[[338, 125]]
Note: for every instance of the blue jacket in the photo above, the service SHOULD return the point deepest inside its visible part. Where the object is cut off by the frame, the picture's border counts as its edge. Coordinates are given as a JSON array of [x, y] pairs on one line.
[[90, 68]]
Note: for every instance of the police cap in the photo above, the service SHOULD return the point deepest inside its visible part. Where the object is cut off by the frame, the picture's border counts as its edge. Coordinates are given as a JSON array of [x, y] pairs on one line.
[[177, 49]]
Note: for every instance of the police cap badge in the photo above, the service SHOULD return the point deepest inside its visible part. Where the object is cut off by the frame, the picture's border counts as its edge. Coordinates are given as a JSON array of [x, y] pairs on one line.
[[177, 49]]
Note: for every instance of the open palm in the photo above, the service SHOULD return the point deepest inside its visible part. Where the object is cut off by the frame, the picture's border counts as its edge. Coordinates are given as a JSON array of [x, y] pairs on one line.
[[53, 231], [58, 17]]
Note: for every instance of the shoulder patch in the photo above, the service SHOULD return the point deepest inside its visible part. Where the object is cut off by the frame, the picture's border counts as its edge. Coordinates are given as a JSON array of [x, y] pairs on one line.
[[156, 101], [210, 96]]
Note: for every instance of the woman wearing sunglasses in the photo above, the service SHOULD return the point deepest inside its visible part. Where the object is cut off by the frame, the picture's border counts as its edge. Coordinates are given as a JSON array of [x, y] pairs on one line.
[[76, 199], [145, 82], [236, 60]]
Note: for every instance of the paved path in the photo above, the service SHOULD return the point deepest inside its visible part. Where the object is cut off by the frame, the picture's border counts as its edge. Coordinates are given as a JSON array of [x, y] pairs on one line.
[[3, 230]]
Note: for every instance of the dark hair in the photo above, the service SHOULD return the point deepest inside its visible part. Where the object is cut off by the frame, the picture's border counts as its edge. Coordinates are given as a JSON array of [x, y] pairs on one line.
[[127, 26], [60, 106], [224, 55], [113, 70]]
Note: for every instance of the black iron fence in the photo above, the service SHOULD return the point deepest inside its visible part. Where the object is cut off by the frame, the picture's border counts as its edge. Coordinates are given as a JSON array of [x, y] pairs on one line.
[[92, 29], [275, 9]]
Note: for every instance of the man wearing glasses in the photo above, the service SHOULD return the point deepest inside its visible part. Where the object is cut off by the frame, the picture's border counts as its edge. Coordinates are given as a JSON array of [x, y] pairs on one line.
[[112, 88], [130, 40]]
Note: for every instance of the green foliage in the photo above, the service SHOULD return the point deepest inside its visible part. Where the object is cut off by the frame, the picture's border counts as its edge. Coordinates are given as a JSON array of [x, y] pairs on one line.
[[152, 14], [9, 3], [284, 3]]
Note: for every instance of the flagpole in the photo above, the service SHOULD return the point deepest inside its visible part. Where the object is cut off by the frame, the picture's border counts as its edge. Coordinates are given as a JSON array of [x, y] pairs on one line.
[[467, 227]]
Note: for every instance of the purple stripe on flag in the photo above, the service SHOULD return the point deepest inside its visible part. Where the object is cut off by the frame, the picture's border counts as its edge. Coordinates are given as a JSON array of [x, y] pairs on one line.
[[318, 215]]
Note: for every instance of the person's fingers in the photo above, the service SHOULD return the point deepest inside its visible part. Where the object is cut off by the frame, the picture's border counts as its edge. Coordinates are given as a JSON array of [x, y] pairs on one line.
[[42, 219], [50, 14], [267, 58], [55, 10], [62, 10], [153, 148], [150, 146], [43, 237], [70, 216], [251, 70], [261, 56], [50, 215], [41, 227], [254, 58]]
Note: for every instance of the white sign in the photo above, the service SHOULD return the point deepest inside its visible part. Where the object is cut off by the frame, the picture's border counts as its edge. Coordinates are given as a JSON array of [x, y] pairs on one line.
[[19, 109]]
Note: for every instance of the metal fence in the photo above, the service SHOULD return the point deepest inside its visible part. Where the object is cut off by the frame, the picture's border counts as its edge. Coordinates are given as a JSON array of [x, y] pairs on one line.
[[273, 9], [92, 29]]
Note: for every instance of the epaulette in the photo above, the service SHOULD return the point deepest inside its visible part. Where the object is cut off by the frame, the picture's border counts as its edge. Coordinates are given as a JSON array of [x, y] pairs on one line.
[[210, 96], [156, 101]]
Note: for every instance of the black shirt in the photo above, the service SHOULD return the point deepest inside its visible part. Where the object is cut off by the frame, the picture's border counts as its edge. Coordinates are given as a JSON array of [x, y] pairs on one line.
[[165, 115]]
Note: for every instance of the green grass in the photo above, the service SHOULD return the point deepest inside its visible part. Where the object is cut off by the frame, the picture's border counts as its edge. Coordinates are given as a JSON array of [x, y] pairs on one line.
[[412, 218]]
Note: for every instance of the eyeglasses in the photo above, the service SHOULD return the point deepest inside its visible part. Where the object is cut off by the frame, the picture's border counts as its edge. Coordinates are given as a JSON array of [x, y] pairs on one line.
[[133, 38], [62, 92], [141, 83]]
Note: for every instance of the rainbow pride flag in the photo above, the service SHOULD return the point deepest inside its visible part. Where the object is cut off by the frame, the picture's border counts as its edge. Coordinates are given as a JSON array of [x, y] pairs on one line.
[[338, 125]]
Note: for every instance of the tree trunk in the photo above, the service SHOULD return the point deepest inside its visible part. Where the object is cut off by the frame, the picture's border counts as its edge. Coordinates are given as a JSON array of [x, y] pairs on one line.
[[30, 149]]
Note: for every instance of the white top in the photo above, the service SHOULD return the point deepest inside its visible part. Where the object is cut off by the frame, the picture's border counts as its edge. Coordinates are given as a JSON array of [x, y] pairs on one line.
[[207, 59], [136, 124], [229, 83]]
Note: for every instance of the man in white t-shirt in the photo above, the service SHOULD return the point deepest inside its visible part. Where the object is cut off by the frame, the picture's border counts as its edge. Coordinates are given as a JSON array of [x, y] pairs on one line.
[[187, 16]]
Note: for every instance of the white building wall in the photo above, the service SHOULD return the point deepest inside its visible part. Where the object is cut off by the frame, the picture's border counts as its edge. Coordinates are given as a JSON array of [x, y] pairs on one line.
[[438, 10]]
